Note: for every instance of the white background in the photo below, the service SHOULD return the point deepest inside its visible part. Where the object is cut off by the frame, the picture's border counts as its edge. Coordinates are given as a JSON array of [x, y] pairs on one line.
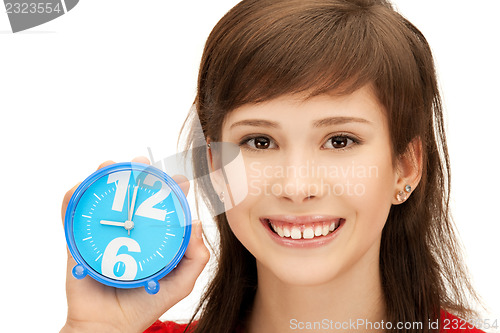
[[111, 78]]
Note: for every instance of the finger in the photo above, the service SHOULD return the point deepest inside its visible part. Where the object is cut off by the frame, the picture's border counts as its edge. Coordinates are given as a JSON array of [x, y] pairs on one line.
[[196, 248], [141, 159], [66, 199], [180, 282], [105, 164], [183, 183]]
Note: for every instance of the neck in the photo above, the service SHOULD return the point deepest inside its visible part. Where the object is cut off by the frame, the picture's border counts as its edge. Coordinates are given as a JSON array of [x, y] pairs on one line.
[[343, 301]]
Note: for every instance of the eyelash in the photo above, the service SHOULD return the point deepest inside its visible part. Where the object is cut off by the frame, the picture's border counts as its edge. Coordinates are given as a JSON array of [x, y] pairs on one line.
[[244, 142]]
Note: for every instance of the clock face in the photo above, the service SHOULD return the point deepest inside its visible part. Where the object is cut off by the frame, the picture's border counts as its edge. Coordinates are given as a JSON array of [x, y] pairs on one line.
[[130, 222]]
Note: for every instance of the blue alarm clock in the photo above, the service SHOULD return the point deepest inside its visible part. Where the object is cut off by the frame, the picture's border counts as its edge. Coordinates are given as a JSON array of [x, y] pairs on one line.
[[127, 225]]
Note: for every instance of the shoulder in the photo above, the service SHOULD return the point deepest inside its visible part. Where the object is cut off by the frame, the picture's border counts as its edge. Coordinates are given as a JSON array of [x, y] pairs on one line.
[[453, 324], [166, 327]]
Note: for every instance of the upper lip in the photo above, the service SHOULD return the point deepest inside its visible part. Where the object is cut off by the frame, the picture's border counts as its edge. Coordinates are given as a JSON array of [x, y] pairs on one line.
[[304, 219]]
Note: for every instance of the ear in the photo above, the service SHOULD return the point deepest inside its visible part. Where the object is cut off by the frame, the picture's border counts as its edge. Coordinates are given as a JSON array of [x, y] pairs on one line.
[[409, 170]]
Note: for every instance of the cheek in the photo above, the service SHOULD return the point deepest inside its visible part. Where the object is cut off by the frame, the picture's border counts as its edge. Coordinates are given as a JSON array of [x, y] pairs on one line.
[[244, 228], [372, 208], [371, 199], [246, 184], [249, 181], [371, 186]]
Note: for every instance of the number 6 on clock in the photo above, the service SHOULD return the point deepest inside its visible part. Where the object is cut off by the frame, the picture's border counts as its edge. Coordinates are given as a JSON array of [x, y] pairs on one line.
[[111, 258]]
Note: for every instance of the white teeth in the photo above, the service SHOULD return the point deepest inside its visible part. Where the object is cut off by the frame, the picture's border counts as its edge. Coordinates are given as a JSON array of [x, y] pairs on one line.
[[296, 234], [280, 231], [308, 233], [325, 229], [332, 226], [318, 230]]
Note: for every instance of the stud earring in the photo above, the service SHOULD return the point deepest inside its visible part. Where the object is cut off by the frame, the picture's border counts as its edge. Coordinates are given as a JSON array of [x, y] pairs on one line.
[[221, 196], [208, 145], [402, 196]]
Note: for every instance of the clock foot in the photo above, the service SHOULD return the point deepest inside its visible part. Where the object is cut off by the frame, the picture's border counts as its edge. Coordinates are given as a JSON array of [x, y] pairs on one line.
[[79, 272], [152, 287]]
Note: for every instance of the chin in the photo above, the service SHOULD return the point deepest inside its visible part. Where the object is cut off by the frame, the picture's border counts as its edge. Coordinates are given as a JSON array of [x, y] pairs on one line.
[[304, 272]]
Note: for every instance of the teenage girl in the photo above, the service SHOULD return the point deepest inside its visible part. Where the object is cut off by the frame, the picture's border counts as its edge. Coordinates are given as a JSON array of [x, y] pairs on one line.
[[335, 107]]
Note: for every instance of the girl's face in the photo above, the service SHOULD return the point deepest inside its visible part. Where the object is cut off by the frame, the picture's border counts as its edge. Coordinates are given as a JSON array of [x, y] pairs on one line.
[[320, 184]]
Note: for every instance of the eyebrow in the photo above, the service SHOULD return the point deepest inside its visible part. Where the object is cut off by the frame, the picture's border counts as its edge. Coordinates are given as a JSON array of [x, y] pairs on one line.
[[340, 121], [317, 124]]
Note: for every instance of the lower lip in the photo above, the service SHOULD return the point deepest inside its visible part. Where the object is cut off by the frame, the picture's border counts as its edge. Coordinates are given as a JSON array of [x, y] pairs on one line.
[[302, 243]]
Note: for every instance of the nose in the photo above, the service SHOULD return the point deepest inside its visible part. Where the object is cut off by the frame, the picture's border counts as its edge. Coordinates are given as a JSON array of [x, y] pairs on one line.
[[300, 181]]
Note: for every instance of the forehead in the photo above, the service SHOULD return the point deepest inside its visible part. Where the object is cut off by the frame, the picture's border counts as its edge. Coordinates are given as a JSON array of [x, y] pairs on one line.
[[296, 109]]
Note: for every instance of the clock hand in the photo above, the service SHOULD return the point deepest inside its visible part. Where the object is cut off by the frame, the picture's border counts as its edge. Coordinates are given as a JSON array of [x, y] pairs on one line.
[[128, 225], [128, 208], [131, 210], [117, 224], [128, 201]]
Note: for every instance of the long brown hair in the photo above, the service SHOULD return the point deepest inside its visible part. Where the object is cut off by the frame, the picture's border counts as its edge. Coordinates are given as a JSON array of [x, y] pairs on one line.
[[262, 49]]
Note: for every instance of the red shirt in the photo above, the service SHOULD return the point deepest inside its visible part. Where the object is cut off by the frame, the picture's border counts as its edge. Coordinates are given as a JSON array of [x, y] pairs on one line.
[[166, 327], [449, 324]]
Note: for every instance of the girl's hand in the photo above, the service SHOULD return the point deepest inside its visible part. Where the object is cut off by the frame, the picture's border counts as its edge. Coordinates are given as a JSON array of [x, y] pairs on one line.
[[94, 307]]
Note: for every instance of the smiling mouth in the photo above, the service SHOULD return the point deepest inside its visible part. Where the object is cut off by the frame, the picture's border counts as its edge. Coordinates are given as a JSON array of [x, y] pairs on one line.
[[303, 231]]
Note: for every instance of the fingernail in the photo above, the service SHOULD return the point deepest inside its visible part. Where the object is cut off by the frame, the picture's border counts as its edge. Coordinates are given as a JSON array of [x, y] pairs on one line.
[[199, 230]]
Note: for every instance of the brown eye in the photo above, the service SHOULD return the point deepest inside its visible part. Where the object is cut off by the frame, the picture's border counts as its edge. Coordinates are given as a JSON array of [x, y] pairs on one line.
[[261, 142], [258, 143], [339, 142]]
